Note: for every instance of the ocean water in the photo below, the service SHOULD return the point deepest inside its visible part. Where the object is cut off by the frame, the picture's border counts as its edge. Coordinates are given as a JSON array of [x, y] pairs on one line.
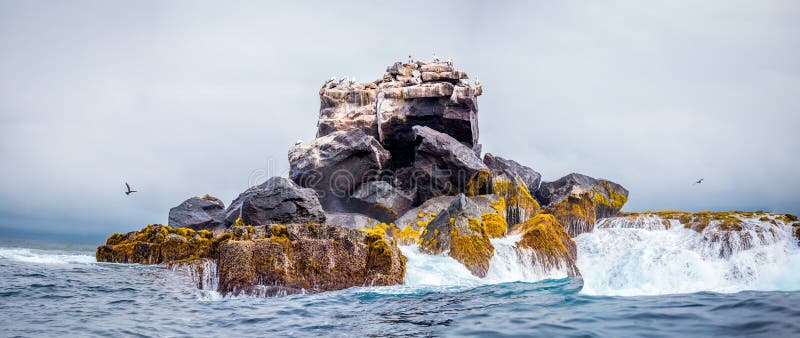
[[636, 282]]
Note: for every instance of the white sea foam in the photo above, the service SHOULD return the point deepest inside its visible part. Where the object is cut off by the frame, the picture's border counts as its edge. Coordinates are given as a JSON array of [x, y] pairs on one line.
[[509, 264], [43, 256], [636, 257]]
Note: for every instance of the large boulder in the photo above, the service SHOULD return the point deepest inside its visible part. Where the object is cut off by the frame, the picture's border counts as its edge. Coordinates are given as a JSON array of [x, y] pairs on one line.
[[544, 242], [203, 212], [530, 177], [444, 166], [578, 201], [464, 230], [304, 258], [431, 94], [278, 200], [337, 164], [380, 200]]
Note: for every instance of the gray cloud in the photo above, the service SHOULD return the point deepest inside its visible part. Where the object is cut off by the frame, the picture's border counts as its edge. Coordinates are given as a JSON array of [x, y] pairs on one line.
[[185, 98]]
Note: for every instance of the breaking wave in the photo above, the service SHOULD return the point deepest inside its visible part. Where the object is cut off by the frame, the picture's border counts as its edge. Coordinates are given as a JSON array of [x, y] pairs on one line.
[[639, 256], [34, 256], [651, 256]]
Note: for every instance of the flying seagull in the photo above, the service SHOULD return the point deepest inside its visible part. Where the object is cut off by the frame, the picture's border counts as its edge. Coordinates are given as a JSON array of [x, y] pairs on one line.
[[128, 187], [699, 181]]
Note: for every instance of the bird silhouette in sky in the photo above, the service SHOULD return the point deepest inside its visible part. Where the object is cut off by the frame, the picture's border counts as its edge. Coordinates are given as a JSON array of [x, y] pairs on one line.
[[128, 190], [698, 181]]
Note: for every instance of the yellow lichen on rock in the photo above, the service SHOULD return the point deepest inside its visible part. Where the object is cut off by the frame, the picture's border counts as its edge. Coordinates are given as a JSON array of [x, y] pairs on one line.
[[475, 251], [576, 213], [157, 243], [494, 224], [545, 236], [519, 204], [479, 182]]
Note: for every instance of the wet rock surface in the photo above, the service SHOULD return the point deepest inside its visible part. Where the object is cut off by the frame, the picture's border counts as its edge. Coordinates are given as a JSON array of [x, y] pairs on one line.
[[203, 212], [278, 200], [578, 201], [336, 165], [462, 232]]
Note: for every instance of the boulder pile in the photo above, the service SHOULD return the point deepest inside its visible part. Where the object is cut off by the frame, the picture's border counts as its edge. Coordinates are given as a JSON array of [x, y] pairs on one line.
[[396, 160]]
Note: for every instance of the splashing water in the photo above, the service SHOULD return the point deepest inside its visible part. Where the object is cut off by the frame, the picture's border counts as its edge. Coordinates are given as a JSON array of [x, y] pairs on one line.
[[206, 275], [509, 264], [25, 255], [648, 256]]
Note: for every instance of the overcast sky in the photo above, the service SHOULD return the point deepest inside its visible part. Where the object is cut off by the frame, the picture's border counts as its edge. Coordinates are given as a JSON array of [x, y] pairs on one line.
[[186, 98]]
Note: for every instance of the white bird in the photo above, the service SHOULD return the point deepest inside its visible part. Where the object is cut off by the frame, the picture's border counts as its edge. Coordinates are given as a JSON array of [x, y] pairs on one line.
[[298, 142], [410, 59], [450, 62], [435, 59], [477, 81]]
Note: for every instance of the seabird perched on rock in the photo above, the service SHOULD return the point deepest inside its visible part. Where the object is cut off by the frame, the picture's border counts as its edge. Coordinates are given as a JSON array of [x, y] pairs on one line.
[[450, 62], [410, 59], [477, 81], [128, 190], [298, 142], [435, 58]]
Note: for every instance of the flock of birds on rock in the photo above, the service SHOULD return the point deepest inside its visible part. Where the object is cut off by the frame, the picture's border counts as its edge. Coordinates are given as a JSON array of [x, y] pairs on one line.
[[348, 82]]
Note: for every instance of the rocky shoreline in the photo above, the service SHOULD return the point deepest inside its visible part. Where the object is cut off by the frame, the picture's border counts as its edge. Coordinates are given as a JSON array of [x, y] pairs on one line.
[[395, 161]]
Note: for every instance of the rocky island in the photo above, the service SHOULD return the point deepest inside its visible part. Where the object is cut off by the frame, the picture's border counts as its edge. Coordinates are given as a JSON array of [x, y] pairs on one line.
[[397, 161]]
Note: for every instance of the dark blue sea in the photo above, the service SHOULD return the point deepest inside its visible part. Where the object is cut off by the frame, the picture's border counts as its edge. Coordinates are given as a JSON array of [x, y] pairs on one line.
[[47, 293]]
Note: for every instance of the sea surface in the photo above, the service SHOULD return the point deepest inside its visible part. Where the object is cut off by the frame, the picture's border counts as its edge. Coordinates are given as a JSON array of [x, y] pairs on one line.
[[58, 292]]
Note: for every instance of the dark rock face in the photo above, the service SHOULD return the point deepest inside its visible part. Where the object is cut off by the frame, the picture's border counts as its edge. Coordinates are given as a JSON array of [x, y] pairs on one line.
[[380, 200], [443, 166], [419, 217], [530, 177], [431, 94], [278, 200], [298, 258], [463, 230], [577, 201], [350, 220], [204, 212], [337, 164], [515, 183]]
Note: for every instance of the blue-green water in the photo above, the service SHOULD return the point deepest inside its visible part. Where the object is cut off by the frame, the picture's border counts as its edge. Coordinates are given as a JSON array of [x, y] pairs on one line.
[[65, 293]]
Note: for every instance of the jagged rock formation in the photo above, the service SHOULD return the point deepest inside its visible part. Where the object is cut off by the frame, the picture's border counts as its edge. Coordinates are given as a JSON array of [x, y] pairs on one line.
[[463, 230], [337, 164], [284, 259], [577, 201], [278, 200], [431, 94], [550, 245], [198, 213], [306, 258], [380, 200], [444, 166], [530, 177], [156, 244], [396, 160]]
